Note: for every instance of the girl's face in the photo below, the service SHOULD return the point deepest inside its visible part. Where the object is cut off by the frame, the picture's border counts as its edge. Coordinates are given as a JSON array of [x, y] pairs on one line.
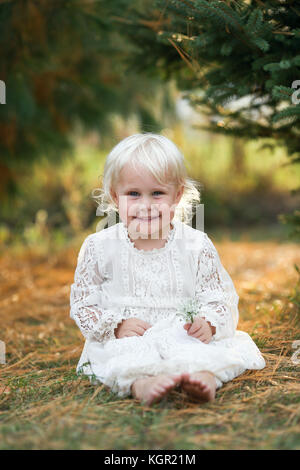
[[145, 206]]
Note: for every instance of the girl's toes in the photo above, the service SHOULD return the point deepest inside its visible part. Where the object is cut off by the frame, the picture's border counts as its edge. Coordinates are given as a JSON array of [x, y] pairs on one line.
[[185, 376], [170, 383], [200, 382], [178, 378], [170, 386], [175, 380], [196, 382]]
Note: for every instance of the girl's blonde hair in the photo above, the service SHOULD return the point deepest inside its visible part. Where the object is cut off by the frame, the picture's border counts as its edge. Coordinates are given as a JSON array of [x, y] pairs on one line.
[[162, 158]]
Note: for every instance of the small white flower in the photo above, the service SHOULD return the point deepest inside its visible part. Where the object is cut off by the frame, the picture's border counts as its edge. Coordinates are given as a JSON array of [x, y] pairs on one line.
[[188, 310]]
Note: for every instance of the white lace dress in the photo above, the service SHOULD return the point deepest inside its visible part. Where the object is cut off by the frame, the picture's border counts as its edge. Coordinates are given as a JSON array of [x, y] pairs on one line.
[[114, 281]]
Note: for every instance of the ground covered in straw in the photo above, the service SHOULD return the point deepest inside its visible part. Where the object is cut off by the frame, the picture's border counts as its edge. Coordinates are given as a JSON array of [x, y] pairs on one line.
[[44, 405]]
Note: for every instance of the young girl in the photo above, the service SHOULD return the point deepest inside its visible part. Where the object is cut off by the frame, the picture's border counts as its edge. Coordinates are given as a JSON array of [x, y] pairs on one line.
[[133, 278]]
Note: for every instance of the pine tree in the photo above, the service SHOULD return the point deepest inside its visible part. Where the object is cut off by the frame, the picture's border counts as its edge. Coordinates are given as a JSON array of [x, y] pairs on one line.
[[64, 67], [221, 52]]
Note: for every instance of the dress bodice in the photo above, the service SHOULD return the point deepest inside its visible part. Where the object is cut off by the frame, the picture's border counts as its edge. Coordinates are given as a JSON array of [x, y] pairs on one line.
[[114, 280]]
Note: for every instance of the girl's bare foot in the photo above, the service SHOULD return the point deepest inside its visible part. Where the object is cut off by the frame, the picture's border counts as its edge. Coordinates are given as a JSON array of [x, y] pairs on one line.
[[153, 389], [201, 385]]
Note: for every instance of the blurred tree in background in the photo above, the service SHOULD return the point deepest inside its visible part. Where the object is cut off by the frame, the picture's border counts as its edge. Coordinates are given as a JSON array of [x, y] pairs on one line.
[[64, 66], [81, 75], [238, 62]]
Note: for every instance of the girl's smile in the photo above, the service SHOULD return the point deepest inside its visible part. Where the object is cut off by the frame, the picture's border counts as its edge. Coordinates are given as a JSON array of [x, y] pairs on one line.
[[147, 219]]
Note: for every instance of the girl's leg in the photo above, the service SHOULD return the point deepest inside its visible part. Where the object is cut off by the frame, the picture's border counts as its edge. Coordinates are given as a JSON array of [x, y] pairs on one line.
[[201, 385], [152, 389]]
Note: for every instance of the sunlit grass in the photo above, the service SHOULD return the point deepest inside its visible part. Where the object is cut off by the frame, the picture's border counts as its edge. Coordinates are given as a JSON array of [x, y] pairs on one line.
[[45, 405]]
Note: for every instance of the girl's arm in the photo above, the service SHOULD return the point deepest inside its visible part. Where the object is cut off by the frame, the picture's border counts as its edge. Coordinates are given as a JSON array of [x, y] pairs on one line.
[[94, 322], [215, 292]]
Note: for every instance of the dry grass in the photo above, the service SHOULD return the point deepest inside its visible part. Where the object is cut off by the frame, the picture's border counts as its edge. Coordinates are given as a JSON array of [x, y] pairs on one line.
[[44, 405]]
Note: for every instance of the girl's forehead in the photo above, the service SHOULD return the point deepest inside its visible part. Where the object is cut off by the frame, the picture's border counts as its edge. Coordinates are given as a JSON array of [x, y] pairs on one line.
[[131, 171], [140, 175]]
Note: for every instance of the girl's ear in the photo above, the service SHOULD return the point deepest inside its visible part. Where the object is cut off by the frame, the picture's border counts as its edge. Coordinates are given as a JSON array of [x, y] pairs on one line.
[[179, 193], [114, 195]]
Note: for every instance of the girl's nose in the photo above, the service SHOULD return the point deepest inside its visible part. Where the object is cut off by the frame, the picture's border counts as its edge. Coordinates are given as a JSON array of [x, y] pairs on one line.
[[146, 202], [147, 205]]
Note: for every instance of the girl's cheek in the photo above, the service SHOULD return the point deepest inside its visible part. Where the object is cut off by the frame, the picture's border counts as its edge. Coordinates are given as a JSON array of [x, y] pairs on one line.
[[132, 208], [123, 204]]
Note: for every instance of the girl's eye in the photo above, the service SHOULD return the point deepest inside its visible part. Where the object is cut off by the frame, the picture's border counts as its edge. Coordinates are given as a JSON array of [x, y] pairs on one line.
[[135, 193]]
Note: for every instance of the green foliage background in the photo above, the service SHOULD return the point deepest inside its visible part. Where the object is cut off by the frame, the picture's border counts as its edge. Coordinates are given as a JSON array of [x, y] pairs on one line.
[[80, 76]]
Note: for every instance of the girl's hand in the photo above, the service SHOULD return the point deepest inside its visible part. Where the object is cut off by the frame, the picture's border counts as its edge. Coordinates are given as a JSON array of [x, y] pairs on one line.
[[200, 329], [131, 327]]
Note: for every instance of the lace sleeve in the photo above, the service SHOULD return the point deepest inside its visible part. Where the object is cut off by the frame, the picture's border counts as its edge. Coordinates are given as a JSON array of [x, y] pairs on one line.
[[215, 292], [94, 322]]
